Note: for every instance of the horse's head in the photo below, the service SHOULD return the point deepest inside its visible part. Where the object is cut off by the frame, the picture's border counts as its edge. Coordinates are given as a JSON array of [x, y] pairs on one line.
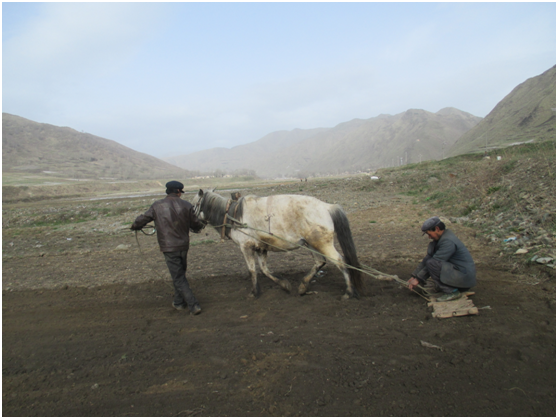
[[197, 202], [200, 203]]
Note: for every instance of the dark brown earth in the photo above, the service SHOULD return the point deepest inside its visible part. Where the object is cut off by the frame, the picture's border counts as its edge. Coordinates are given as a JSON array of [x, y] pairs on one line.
[[88, 330]]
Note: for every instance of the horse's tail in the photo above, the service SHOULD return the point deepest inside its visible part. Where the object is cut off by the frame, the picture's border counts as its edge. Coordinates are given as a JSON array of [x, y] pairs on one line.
[[345, 238]]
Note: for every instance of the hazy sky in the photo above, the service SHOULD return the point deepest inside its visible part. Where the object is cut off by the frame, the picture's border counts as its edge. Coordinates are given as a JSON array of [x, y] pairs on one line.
[[173, 78]]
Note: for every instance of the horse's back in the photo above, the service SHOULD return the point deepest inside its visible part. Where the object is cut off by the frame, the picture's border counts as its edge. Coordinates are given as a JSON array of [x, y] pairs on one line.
[[293, 217], [291, 206], [282, 200]]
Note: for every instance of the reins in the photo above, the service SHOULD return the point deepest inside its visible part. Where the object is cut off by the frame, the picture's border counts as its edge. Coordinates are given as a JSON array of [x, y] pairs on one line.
[[147, 234]]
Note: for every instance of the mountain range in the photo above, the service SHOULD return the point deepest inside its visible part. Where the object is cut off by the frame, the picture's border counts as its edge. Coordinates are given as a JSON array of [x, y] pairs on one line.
[[527, 113], [357, 145]]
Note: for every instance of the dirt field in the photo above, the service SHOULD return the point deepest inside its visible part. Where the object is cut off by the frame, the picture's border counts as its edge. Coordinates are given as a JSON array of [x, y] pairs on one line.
[[88, 327]]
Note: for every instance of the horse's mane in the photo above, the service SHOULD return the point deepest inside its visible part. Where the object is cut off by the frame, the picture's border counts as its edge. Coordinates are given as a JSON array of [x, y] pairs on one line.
[[214, 207]]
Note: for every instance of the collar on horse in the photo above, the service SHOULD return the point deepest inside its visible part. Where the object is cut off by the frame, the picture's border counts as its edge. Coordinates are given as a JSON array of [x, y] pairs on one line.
[[226, 229], [223, 230]]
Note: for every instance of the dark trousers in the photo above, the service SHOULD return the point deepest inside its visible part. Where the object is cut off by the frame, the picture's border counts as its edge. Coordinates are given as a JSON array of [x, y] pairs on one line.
[[177, 263], [434, 268]]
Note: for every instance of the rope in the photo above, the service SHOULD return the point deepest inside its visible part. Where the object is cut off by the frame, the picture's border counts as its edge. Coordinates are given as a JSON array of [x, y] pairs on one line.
[[368, 271], [147, 226]]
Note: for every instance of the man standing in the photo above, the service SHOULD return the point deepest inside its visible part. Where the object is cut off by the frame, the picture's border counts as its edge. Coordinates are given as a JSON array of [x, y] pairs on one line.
[[174, 218], [447, 262]]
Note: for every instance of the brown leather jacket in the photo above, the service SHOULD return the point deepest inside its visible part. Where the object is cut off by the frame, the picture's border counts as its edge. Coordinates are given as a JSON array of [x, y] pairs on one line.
[[173, 218]]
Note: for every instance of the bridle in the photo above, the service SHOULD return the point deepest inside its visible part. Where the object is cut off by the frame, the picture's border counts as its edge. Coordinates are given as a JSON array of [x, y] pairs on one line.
[[197, 206], [197, 211]]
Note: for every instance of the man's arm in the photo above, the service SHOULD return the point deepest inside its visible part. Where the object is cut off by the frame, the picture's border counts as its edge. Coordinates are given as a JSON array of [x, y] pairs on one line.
[[143, 219], [195, 224], [421, 274]]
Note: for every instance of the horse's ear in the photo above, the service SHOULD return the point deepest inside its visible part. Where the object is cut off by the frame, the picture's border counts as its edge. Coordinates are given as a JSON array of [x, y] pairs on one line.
[[200, 193], [212, 190]]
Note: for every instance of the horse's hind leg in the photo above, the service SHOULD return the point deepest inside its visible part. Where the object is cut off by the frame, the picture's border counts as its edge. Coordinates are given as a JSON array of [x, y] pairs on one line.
[[319, 262], [249, 256], [339, 261], [262, 260], [332, 255]]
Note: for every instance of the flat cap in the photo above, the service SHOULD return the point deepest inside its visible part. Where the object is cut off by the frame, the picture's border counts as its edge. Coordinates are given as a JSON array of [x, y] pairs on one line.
[[429, 224], [173, 184]]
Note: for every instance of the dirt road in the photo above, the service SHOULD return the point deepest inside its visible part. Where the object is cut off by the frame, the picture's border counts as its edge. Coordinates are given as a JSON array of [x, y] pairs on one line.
[[88, 330]]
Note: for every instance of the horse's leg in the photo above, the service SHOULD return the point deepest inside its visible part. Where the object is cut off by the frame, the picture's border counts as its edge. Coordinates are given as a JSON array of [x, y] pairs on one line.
[[331, 254], [262, 260], [249, 256], [319, 262], [350, 292]]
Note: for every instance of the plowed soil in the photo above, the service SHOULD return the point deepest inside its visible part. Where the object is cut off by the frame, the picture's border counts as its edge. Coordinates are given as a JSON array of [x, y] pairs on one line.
[[88, 329]]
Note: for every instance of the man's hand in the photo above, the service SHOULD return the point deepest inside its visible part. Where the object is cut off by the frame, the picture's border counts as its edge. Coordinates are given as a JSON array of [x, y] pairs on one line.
[[412, 283]]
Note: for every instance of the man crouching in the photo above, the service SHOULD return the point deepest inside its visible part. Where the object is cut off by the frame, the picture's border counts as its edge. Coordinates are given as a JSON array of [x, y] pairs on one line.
[[447, 262]]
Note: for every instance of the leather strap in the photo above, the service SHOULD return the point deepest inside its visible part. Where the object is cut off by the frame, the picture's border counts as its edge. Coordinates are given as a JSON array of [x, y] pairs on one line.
[[225, 219]]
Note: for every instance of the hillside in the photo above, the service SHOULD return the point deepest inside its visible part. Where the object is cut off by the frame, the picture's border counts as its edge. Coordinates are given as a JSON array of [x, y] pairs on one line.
[[351, 146], [242, 156], [527, 113], [32, 147], [510, 202]]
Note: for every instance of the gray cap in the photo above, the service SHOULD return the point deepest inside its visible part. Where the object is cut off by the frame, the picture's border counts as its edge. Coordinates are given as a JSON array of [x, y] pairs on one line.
[[429, 224]]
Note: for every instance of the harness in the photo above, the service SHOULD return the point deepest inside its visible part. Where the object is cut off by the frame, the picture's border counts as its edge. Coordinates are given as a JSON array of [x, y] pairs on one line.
[[269, 214], [226, 229], [223, 230]]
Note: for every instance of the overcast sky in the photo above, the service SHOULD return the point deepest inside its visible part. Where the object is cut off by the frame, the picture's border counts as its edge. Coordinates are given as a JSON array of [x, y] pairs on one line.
[[174, 78]]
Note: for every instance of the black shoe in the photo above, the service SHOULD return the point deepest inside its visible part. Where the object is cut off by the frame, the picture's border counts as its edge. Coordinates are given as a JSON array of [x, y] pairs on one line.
[[179, 307], [195, 310]]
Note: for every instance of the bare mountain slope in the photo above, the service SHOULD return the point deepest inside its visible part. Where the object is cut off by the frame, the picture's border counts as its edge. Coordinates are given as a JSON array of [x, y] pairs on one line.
[[29, 146], [359, 144], [242, 156], [377, 142], [527, 113]]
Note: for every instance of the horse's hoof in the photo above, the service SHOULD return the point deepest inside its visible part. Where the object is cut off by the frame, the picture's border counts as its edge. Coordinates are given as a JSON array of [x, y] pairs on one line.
[[286, 285], [348, 296], [302, 289]]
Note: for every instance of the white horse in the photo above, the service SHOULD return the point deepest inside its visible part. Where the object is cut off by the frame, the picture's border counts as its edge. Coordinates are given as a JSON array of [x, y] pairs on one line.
[[283, 223]]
